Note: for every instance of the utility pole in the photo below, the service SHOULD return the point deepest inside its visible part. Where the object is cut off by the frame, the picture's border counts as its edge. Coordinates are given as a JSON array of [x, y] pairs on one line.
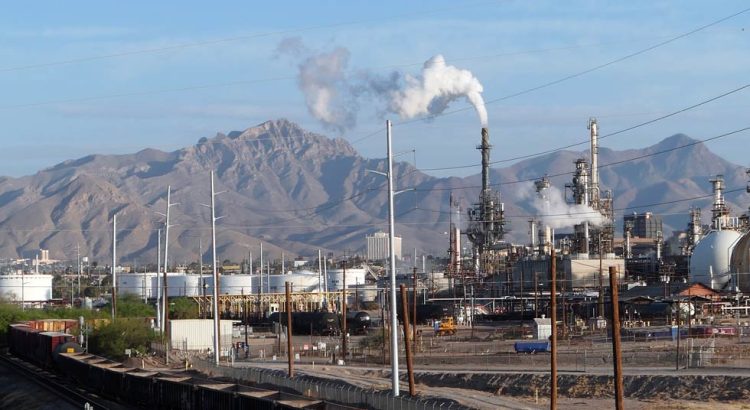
[[114, 264], [165, 298], [78, 252], [200, 275], [320, 279], [414, 307], [289, 329], [343, 315], [553, 319], [601, 280], [158, 283], [616, 348], [536, 294], [407, 345], [215, 301], [391, 235], [244, 314]]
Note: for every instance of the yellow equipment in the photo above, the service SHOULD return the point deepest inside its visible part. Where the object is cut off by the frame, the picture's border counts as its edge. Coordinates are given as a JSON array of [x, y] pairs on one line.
[[446, 327]]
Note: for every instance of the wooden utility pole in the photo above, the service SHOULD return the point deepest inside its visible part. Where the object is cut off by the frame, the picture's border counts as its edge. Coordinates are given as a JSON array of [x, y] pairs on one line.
[[289, 329], [382, 321], [616, 349], [536, 294], [407, 345], [601, 280], [553, 342], [414, 312]]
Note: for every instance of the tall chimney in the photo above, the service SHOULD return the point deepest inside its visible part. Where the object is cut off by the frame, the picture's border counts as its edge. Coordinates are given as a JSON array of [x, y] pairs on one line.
[[485, 147], [594, 162]]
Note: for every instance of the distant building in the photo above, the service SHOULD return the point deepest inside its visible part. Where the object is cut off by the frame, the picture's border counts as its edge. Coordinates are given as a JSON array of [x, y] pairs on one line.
[[377, 246], [645, 225]]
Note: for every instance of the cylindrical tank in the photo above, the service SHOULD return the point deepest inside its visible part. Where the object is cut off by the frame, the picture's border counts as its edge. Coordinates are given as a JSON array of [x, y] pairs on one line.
[[354, 276], [26, 288], [709, 263], [139, 284], [304, 281], [740, 264], [236, 284]]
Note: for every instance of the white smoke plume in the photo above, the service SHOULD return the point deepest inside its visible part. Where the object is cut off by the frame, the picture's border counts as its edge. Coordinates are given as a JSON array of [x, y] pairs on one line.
[[437, 86], [324, 81], [333, 91], [557, 213]]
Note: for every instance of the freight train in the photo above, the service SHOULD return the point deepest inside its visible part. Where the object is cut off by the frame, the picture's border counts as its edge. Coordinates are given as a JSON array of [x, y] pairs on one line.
[[39, 347], [357, 323], [310, 323], [427, 313], [57, 351], [324, 323]]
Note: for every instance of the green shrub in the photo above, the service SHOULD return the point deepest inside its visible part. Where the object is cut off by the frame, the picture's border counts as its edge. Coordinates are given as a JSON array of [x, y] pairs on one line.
[[112, 339]]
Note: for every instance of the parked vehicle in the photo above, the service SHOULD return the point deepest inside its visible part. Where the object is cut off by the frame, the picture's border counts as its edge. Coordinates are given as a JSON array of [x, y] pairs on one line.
[[531, 347], [446, 327]]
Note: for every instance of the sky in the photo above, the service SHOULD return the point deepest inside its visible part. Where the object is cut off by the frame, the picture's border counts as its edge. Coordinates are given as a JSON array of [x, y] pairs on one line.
[[93, 77]]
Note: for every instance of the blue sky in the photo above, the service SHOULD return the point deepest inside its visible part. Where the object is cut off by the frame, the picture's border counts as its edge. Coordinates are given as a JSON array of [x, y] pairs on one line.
[[217, 71]]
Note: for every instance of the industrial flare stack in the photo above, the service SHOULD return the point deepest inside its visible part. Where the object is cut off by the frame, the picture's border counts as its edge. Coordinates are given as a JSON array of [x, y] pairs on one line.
[[486, 218]]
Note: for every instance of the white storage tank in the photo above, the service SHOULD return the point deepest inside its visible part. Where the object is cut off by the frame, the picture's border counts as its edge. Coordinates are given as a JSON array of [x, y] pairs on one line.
[[236, 284], [139, 284], [303, 281], [354, 277], [26, 288], [740, 264], [709, 263]]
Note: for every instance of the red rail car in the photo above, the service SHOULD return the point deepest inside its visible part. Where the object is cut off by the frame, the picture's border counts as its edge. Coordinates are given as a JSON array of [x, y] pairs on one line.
[[38, 346]]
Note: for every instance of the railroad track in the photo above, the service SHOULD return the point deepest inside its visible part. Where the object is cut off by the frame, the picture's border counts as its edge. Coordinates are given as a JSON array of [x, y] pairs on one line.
[[52, 382]]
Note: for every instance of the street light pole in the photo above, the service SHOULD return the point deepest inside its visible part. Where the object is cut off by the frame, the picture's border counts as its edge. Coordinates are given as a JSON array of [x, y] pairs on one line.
[[215, 273], [391, 234]]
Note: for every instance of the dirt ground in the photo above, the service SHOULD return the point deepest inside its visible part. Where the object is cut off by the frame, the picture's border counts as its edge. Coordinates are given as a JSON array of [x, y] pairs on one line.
[[480, 369]]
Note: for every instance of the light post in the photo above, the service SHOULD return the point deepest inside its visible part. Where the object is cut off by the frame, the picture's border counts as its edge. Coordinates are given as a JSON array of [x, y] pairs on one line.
[[391, 223], [392, 257]]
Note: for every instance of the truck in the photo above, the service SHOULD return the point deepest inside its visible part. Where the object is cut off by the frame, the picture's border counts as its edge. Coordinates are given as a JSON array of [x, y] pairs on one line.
[[446, 326]]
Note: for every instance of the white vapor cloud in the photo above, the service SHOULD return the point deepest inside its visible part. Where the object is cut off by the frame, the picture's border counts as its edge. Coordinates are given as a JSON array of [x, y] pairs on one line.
[[332, 91]]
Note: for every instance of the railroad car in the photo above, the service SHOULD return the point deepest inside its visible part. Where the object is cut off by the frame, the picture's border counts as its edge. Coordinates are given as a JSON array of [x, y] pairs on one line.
[[311, 323], [38, 346], [358, 322], [58, 352]]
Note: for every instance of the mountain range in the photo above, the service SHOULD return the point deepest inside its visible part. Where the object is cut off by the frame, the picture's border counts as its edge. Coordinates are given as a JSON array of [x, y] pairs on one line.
[[298, 192]]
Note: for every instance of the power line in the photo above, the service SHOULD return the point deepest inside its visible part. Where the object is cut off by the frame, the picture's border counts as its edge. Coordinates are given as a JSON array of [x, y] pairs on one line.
[[558, 81], [183, 46], [630, 128], [593, 212], [587, 71], [696, 142]]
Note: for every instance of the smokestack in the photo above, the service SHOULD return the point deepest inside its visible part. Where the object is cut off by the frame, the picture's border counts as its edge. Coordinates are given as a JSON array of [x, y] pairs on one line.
[[719, 210], [594, 162], [485, 147]]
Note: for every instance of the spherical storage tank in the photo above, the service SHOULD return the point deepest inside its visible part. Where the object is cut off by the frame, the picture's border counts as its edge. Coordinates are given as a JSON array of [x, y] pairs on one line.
[[740, 263], [709, 263]]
